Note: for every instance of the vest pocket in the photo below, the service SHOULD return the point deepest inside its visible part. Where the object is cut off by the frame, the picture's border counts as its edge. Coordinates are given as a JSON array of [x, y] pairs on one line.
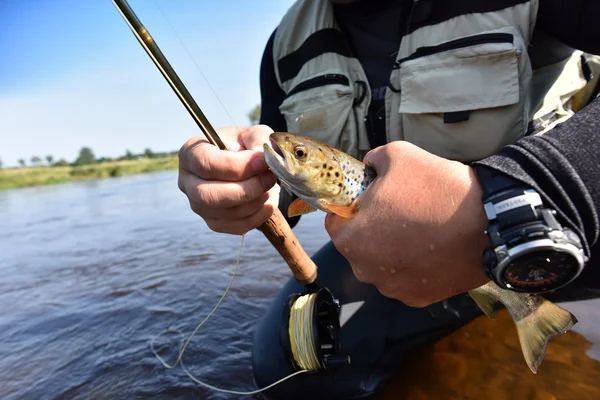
[[463, 99], [320, 107]]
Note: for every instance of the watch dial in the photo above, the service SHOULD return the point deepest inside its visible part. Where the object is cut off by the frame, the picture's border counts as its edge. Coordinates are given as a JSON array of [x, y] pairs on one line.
[[542, 270]]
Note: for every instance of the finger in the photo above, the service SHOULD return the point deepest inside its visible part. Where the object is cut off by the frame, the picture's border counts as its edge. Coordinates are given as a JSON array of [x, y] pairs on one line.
[[413, 302], [359, 273], [245, 138], [210, 163], [379, 158], [220, 194], [234, 136], [230, 213], [334, 226], [229, 136], [242, 226], [373, 155], [255, 137], [383, 291], [198, 156], [330, 224]]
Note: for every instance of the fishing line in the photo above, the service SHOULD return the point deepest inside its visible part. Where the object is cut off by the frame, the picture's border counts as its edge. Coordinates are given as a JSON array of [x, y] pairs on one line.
[[183, 347], [302, 342], [300, 323]]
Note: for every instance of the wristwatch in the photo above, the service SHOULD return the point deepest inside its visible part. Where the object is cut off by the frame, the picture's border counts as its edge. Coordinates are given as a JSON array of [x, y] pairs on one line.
[[531, 251]]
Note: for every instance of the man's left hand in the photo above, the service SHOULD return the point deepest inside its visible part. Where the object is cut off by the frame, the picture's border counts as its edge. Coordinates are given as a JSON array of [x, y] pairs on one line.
[[419, 235]]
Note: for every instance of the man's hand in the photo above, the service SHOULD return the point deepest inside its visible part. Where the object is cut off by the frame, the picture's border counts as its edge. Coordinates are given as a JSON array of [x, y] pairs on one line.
[[419, 236], [233, 190]]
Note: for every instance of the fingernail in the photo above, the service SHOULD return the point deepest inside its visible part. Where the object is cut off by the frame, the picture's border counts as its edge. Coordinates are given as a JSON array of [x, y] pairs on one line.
[[258, 165], [268, 180]]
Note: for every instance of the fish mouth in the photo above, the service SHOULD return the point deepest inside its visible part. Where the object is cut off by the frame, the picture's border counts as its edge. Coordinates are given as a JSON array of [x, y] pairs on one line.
[[279, 163], [276, 148], [274, 156]]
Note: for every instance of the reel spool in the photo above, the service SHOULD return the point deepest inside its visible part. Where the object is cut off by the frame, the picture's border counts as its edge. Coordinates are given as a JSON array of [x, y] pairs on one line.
[[310, 332]]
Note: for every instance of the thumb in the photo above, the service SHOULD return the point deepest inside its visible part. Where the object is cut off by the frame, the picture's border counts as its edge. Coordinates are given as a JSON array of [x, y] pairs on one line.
[[378, 159], [334, 225], [254, 137]]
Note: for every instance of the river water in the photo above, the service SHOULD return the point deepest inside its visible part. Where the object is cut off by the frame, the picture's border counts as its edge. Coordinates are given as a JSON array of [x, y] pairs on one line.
[[91, 271]]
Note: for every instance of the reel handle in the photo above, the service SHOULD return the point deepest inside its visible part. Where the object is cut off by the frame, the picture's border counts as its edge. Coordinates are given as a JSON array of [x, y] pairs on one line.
[[280, 234]]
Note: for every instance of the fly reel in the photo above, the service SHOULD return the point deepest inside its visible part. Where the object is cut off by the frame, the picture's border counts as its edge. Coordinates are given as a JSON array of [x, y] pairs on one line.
[[310, 332]]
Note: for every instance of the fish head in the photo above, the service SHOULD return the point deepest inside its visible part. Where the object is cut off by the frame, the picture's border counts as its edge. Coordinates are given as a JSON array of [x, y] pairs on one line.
[[307, 167]]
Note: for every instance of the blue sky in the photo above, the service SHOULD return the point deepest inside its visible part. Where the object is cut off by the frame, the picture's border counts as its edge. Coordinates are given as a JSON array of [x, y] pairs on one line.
[[72, 74]]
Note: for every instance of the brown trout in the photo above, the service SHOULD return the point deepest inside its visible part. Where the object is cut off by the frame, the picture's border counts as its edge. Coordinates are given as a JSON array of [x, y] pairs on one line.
[[330, 180], [322, 177]]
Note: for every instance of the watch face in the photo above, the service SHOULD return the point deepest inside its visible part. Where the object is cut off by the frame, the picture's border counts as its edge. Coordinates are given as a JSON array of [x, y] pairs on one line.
[[540, 270]]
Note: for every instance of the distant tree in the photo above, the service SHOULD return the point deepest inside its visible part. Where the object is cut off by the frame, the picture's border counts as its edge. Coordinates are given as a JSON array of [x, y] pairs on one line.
[[49, 159], [129, 155], [61, 163], [86, 156], [21, 162], [0, 163], [148, 153], [254, 115], [35, 160]]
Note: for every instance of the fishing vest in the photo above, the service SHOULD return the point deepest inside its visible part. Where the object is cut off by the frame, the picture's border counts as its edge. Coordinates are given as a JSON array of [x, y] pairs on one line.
[[462, 86]]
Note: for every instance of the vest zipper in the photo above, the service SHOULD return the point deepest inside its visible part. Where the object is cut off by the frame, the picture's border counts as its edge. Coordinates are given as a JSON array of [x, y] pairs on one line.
[[322, 80], [453, 45], [459, 43]]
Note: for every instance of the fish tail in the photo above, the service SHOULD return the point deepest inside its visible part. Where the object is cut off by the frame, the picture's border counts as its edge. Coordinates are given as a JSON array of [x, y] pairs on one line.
[[484, 301], [542, 320], [536, 329]]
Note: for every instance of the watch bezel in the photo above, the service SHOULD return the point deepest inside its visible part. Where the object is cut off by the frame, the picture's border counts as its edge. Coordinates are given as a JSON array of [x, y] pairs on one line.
[[506, 255]]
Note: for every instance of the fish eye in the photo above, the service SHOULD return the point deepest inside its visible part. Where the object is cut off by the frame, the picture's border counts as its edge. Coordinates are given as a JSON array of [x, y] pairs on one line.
[[300, 151]]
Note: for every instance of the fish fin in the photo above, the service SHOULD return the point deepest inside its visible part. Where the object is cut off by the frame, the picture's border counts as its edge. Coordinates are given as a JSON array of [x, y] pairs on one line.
[[343, 211], [536, 329], [485, 301], [299, 207]]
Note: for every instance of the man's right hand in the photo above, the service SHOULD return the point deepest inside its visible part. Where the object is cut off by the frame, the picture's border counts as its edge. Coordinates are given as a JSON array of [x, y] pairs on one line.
[[232, 190]]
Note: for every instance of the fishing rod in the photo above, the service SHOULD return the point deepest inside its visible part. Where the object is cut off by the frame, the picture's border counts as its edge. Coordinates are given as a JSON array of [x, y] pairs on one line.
[[276, 229], [314, 320]]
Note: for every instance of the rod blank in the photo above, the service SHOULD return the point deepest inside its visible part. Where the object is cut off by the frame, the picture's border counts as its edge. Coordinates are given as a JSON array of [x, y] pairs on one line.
[[148, 43], [276, 229]]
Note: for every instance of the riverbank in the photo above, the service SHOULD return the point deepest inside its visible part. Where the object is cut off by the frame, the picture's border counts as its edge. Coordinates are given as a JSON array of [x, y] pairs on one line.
[[35, 176]]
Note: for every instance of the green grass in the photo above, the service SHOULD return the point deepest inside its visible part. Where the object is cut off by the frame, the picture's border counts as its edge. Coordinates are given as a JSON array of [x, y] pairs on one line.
[[35, 176]]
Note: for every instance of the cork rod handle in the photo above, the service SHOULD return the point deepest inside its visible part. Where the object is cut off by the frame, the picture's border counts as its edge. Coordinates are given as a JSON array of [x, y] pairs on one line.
[[280, 234]]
